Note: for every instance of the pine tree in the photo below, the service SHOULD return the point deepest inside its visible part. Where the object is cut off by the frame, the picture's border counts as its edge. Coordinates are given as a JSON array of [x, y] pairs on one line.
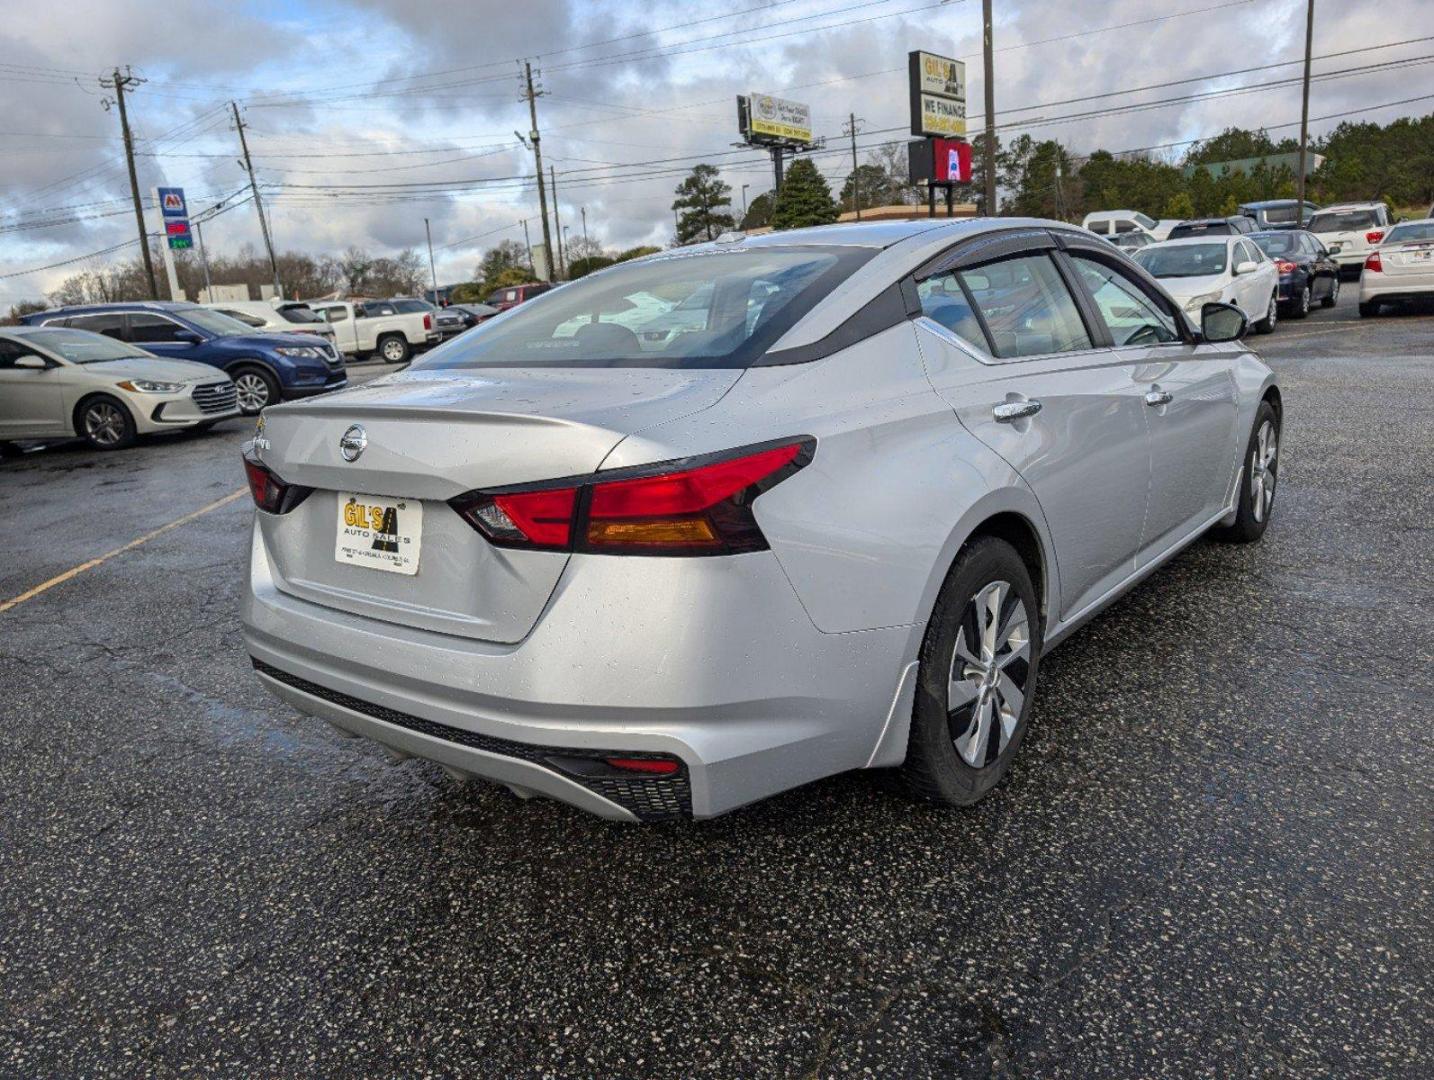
[[805, 199], [703, 203]]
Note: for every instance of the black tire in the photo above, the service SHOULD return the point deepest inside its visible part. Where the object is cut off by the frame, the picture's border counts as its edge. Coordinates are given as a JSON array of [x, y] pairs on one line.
[[1300, 308], [9, 450], [1369, 310], [1257, 481], [1330, 299], [1272, 315], [935, 768], [394, 349], [257, 389], [105, 423]]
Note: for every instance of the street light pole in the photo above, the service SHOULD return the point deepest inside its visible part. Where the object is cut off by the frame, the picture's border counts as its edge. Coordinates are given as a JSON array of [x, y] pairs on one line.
[[1304, 119]]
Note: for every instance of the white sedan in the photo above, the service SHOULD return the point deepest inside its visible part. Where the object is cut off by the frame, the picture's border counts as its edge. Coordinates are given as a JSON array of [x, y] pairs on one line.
[[57, 382], [1217, 270], [1401, 269]]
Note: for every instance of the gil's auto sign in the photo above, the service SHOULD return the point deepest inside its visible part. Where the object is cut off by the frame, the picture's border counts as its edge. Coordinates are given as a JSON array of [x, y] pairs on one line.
[[938, 94], [764, 118]]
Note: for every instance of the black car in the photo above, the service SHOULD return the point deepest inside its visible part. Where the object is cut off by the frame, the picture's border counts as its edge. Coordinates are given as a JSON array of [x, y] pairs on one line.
[[1271, 215], [1217, 226], [1308, 273], [472, 314]]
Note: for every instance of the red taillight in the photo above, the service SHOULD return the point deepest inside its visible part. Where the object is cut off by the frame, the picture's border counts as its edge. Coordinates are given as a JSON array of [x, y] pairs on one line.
[[1374, 236], [1285, 266], [427, 321], [691, 507], [657, 766], [1373, 264], [270, 493]]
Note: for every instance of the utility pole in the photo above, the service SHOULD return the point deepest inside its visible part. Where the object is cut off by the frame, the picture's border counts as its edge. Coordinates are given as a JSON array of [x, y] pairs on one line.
[[258, 202], [1304, 119], [989, 156], [428, 232], [532, 96], [204, 260], [855, 180], [584, 211], [529, 245], [558, 225], [117, 83]]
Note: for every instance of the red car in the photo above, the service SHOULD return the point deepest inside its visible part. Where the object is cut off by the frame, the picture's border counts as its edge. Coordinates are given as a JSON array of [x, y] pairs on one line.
[[514, 295]]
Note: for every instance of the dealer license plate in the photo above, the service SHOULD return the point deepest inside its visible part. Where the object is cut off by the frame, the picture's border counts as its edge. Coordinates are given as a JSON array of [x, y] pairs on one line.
[[380, 533]]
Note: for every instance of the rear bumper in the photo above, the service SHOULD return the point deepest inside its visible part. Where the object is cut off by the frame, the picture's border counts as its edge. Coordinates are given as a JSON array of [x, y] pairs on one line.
[[709, 661], [1393, 290]]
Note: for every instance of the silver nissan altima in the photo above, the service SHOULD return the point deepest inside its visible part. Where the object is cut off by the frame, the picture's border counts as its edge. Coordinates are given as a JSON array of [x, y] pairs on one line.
[[706, 526]]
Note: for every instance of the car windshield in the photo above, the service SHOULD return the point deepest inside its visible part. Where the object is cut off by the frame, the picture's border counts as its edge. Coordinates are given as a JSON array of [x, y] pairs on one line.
[[213, 322], [411, 307], [1414, 230], [244, 317], [1278, 243], [1343, 221], [703, 310], [1183, 260], [1144, 222], [83, 347], [299, 314]]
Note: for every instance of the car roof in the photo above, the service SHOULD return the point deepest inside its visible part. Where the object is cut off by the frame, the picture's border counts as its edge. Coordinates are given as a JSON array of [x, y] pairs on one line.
[[1265, 204], [126, 305], [1349, 206]]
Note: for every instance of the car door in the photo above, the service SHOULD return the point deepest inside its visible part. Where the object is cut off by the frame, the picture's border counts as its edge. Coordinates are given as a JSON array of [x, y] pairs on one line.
[[1189, 392], [161, 335], [32, 402], [1246, 286], [1006, 345]]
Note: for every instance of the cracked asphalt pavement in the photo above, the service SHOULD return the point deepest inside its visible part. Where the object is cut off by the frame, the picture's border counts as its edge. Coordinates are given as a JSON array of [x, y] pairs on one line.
[[1212, 859]]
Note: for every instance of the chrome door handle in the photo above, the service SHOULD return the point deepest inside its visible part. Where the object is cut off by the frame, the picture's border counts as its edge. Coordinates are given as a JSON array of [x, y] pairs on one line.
[[1158, 397], [1015, 410]]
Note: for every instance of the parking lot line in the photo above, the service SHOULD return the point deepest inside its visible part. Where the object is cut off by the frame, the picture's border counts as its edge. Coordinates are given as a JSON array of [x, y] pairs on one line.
[[75, 571]]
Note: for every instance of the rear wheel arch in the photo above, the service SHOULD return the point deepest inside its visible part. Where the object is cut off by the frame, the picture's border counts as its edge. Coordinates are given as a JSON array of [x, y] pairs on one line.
[[1272, 395], [1020, 532]]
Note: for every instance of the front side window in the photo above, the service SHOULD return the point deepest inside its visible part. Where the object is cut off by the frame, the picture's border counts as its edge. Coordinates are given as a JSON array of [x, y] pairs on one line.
[[110, 323], [1132, 317], [1026, 306], [707, 309], [1183, 260], [153, 329]]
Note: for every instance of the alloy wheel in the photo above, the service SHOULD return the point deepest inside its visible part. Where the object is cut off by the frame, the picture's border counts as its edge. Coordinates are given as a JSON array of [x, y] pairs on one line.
[[1305, 300], [989, 670], [392, 351], [1334, 291], [1273, 313], [253, 391], [104, 423], [1263, 470]]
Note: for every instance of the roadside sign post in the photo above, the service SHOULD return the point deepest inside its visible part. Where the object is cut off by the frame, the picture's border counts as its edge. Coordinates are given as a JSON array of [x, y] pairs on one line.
[[940, 155], [174, 226]]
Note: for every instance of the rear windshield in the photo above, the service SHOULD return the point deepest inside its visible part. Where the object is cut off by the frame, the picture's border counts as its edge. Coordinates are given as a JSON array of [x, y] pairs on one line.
[[1202, 228], [412, 307], [704, 310], [1281, 214], [1287, 243], [1343, 221], [298, 314], [1183, 260], [1415, 230]]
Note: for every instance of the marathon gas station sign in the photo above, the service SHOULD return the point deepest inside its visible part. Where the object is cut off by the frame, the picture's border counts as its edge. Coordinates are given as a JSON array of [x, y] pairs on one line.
[[174, 213]]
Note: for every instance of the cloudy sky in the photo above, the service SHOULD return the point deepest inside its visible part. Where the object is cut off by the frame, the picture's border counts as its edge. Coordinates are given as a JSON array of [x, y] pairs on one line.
[[366, 116]]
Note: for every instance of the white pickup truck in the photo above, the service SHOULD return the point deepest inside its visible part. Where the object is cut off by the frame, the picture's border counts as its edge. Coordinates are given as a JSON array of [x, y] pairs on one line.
[[367, 327]]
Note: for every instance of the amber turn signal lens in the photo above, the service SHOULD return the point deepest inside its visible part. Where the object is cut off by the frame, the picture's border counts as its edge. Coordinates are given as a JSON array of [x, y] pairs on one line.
[[670, 531]]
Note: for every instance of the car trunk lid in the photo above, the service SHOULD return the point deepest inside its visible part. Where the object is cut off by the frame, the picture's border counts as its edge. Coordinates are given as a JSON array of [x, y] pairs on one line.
[[430, 436]]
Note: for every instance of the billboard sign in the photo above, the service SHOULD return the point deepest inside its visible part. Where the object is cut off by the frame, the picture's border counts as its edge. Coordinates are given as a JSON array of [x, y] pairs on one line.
[[764, 118], [174, 213], [938, 94], [951, 161]]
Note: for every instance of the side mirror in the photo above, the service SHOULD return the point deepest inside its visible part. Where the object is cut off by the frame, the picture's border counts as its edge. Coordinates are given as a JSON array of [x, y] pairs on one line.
[[187, 336], [1222, 322], [30, 362], [1246, 267]]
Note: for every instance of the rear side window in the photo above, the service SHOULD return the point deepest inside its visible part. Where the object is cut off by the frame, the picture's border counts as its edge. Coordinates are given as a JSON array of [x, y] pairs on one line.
[[1026, 307], [111, 324], [1132, 317], [943, 301], [152, 328]]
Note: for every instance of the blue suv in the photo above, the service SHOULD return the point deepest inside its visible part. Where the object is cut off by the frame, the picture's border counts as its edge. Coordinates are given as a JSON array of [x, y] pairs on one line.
[[266, 368]]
